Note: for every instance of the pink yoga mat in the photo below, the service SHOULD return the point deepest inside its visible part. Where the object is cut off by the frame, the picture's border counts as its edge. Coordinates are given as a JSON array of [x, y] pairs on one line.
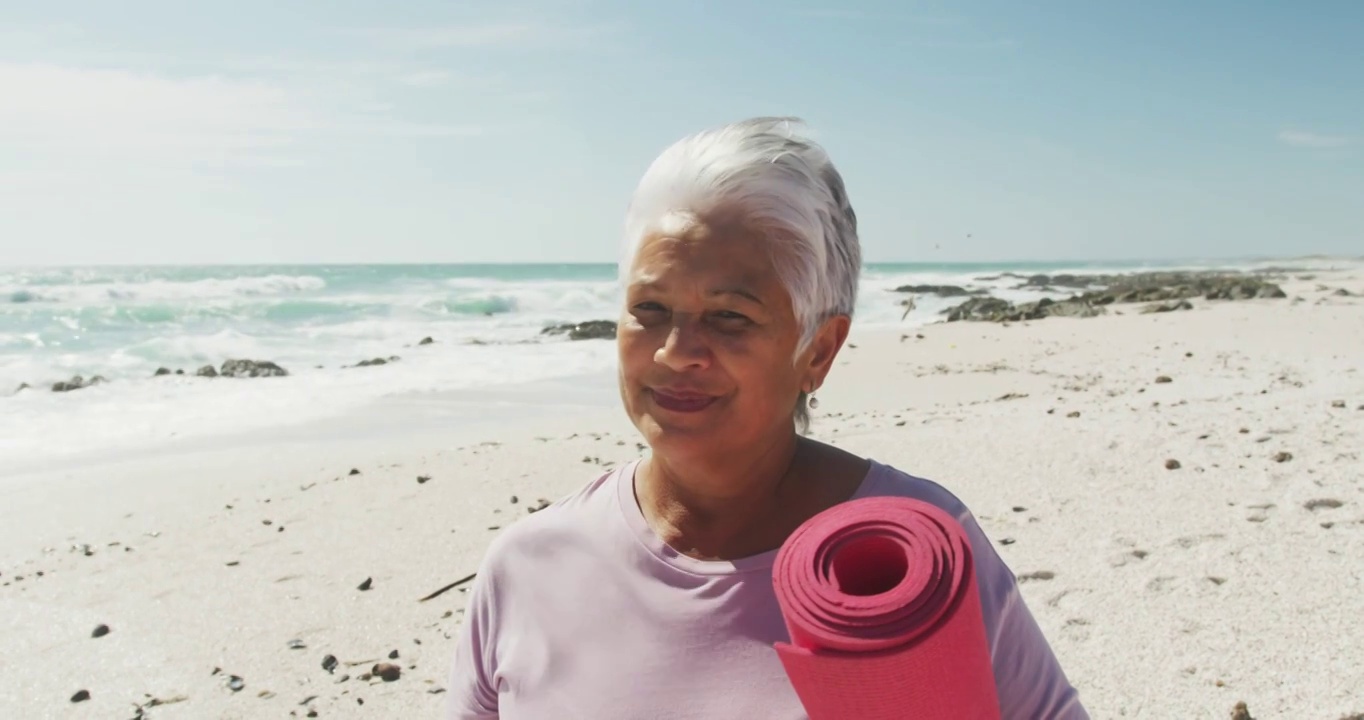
[[879, 596]]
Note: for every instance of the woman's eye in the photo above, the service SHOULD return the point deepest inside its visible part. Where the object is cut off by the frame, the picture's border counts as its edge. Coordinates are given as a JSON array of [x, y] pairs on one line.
[[648, 307]]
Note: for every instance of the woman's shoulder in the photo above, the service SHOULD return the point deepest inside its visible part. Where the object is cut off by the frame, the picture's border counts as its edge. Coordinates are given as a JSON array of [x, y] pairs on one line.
[[884, 480], [570, 521]]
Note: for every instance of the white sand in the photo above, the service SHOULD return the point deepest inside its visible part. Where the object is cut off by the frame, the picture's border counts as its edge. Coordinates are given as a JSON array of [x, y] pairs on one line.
[[1175, 593]]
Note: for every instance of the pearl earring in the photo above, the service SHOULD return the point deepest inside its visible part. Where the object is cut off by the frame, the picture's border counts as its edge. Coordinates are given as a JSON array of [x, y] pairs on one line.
[[813, 402]]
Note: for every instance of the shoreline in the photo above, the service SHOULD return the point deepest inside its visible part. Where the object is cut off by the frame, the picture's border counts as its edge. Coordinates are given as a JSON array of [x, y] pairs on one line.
[[1165, 592]]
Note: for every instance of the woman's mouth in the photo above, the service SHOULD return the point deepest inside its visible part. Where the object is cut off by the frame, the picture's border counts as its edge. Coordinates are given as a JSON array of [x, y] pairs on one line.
[[680, 401]]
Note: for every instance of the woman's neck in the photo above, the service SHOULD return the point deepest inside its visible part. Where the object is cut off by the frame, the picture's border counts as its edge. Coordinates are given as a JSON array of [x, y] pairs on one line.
[[722, 511]]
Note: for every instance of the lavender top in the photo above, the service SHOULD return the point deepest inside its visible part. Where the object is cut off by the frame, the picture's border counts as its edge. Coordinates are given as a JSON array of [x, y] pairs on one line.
[[581, 611]]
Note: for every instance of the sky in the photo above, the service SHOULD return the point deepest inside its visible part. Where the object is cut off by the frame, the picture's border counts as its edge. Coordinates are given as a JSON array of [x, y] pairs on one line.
[[260, 131]]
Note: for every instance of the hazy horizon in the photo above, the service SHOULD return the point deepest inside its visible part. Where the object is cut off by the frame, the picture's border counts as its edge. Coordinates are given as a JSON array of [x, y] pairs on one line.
[[1042, 262]]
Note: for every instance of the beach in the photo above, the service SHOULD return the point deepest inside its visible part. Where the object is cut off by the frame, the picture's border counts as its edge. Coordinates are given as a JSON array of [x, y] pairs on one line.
[[1180, 493]]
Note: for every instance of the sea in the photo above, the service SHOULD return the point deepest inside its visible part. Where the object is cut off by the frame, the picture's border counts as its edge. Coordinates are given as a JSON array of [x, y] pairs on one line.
[[486, 323]]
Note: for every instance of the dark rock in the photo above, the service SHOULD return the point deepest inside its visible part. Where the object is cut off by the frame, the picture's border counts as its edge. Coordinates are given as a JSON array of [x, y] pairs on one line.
[[1172, 464], [1073, 414], [329, 663], [590, 330], [80, 696], [991, 309], [235, 683], [980, 308], [421, 479], [354, 471], [393, 655], [1282, 456], [939, 290], [1162, 379], [1338, 404], [22, 387], [1320, 503], [426, 341], [1063, 280], [161, 371], [371, 363], [1342, 292], [251, 368], [207, 371], [77, 383], [367, 584], [387, 671], [1240, 712], [100, 631], [297, 645], [1168, 307], [178, 371]]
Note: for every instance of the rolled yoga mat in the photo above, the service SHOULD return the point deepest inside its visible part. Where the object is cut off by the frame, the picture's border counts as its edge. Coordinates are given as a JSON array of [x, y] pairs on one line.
[[879, 596]]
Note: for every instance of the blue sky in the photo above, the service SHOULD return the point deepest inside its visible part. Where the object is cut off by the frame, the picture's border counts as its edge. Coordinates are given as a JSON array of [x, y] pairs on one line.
[[423, 131]]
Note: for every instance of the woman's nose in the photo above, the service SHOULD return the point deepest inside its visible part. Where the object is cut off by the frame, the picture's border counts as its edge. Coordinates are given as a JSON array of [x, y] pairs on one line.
[[684, 348]]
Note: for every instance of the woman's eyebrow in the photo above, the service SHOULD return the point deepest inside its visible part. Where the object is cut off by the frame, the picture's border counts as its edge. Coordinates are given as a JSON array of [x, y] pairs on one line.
[[739, 291], [742, 291]]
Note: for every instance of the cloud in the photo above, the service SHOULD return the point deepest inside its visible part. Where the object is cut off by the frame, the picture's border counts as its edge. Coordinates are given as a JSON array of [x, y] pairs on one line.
[[280, 65], [130, 115], [425, 78], [134, 119], [1301, 139], [481, 35]]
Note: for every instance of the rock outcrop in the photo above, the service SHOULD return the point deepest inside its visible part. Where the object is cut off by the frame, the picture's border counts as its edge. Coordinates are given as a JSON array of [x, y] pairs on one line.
[[77, 383], [589, 330], [251, 368], [1172, 289]]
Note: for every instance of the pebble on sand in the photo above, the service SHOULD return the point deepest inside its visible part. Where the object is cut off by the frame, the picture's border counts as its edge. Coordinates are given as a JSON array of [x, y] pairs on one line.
[[367, 584], [355, 471], [1162, 379], [100, 631], [1241, 712], [388, 671], [1282, 456], [80, 696], [1172, 464]]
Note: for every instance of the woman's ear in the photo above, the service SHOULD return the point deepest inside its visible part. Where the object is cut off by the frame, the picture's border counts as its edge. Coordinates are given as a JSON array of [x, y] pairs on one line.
[[824, 347]]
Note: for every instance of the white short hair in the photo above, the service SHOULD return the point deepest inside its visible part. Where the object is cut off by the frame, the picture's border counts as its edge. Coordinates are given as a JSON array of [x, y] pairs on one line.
[[783, 185]]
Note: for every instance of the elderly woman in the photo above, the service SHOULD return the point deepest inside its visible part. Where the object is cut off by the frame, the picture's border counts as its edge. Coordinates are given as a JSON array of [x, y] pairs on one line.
[[648, 593]]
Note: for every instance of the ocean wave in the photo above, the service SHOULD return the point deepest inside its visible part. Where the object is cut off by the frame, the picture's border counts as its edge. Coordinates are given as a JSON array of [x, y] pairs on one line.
[[160, 290]]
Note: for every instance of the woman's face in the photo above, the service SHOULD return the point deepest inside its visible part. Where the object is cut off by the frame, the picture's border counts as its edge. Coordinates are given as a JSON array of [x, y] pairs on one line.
[[706, 343]]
